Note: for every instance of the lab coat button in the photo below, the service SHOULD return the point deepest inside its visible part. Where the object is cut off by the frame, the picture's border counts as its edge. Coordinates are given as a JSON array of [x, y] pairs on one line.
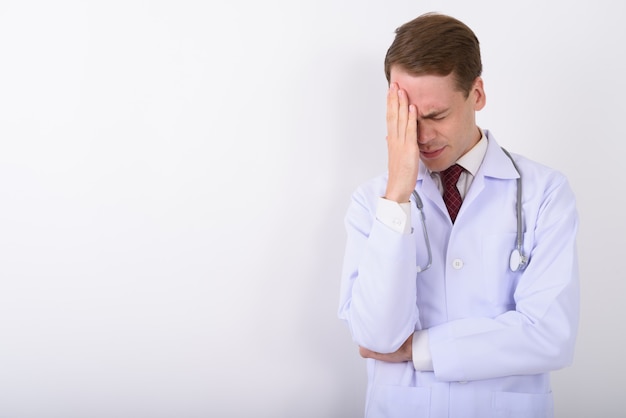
[[457, 264], [397, 222]]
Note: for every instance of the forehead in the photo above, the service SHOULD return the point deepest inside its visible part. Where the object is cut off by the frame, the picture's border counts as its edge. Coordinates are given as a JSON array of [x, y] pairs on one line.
[[427, 92]]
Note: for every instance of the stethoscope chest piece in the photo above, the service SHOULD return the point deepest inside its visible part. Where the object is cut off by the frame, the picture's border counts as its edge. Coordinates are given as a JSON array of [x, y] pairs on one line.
[[517, 260]]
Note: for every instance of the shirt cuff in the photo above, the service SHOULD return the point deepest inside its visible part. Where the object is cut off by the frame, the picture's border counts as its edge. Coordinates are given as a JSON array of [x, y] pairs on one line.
[[422, 360], [394, 215]]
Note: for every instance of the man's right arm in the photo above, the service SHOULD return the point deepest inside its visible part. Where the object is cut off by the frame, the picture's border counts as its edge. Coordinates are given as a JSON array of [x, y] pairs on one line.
[[378, 285], [378, 288]]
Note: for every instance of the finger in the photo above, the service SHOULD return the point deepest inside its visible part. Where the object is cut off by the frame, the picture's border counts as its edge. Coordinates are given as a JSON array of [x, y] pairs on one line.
[[392, 112], [403, 113], [365, 353], [411, 129]]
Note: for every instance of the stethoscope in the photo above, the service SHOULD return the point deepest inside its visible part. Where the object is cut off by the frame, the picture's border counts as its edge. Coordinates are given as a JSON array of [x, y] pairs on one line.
[[517, 260]]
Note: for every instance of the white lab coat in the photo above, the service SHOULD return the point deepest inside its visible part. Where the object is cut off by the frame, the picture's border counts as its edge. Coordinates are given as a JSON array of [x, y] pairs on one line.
[[494, 334]]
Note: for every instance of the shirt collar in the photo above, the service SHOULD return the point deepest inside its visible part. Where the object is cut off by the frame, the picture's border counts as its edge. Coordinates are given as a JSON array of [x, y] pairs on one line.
[[473, 158]]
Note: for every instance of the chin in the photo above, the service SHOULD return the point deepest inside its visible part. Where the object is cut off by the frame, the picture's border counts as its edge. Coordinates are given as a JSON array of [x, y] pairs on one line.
[[436, 166]]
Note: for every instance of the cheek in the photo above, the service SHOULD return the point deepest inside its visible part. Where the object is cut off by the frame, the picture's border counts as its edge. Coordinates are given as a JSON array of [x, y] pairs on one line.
[[467, 118], [459, 126], [448, 129]]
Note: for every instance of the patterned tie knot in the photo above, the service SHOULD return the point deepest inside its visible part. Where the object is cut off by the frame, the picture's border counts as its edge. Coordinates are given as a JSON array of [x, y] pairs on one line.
[[450, 176], [451, 195]]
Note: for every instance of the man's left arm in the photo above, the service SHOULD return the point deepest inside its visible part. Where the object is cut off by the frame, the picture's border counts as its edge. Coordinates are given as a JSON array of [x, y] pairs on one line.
[[539, 335]]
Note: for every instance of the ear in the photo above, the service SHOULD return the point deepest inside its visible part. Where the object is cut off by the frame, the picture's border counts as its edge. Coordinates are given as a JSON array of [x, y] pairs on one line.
[[478, 94]]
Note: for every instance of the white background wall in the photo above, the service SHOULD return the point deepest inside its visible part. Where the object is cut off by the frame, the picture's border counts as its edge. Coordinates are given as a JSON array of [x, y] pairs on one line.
[[174, 176]]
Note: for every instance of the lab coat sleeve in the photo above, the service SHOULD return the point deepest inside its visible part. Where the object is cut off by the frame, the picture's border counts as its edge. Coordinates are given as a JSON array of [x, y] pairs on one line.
[[539, 335], [377, 297]]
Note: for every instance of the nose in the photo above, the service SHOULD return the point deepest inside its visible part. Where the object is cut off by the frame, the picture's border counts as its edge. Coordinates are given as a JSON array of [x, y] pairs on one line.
[[425, 134]]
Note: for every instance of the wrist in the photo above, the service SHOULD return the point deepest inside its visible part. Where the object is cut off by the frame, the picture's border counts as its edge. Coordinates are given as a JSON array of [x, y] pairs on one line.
[[397, 197], [400, 189]]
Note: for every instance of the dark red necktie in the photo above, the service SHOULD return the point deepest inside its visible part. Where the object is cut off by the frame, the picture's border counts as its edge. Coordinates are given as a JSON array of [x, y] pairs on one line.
[[451, 195]]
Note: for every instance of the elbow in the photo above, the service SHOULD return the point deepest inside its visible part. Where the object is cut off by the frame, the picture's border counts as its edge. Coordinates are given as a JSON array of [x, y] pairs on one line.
[[380, 339], [381, 347], [557, 347], [565, 355]]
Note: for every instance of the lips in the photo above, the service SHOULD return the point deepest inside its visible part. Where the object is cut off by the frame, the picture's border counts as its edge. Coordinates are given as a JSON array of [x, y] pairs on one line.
[[431, 154]]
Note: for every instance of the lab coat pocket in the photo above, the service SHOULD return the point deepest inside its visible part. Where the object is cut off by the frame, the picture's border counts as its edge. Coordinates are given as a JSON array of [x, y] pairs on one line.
[[522, 405], [399, 402], [498, 282]]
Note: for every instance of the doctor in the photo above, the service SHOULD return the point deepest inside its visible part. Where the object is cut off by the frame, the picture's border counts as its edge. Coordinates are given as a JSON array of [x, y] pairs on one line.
[[466, 335]]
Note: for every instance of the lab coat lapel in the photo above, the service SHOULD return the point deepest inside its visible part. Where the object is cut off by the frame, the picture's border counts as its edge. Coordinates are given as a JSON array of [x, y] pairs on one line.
[[429, 189], [495, 165]]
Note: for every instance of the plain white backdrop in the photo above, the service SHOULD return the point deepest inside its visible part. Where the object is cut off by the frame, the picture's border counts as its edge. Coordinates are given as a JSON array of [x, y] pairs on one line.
[[174, 176]]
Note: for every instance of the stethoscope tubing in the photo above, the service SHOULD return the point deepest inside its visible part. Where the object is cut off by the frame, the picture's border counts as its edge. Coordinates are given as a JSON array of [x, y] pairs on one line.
[[517, 259]]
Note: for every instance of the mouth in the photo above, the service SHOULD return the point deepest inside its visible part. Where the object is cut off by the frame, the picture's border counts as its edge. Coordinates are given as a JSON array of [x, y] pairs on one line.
[[431, 154]]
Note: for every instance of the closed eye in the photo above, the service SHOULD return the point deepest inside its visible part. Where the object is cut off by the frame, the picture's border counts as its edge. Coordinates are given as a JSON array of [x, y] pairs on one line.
[[437, 115]]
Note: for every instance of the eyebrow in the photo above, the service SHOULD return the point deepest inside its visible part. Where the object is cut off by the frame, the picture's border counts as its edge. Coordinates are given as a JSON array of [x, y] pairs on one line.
[[434, 114]]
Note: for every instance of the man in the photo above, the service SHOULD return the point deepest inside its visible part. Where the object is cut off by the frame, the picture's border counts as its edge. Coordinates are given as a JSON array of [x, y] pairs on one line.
[[477, 333]]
